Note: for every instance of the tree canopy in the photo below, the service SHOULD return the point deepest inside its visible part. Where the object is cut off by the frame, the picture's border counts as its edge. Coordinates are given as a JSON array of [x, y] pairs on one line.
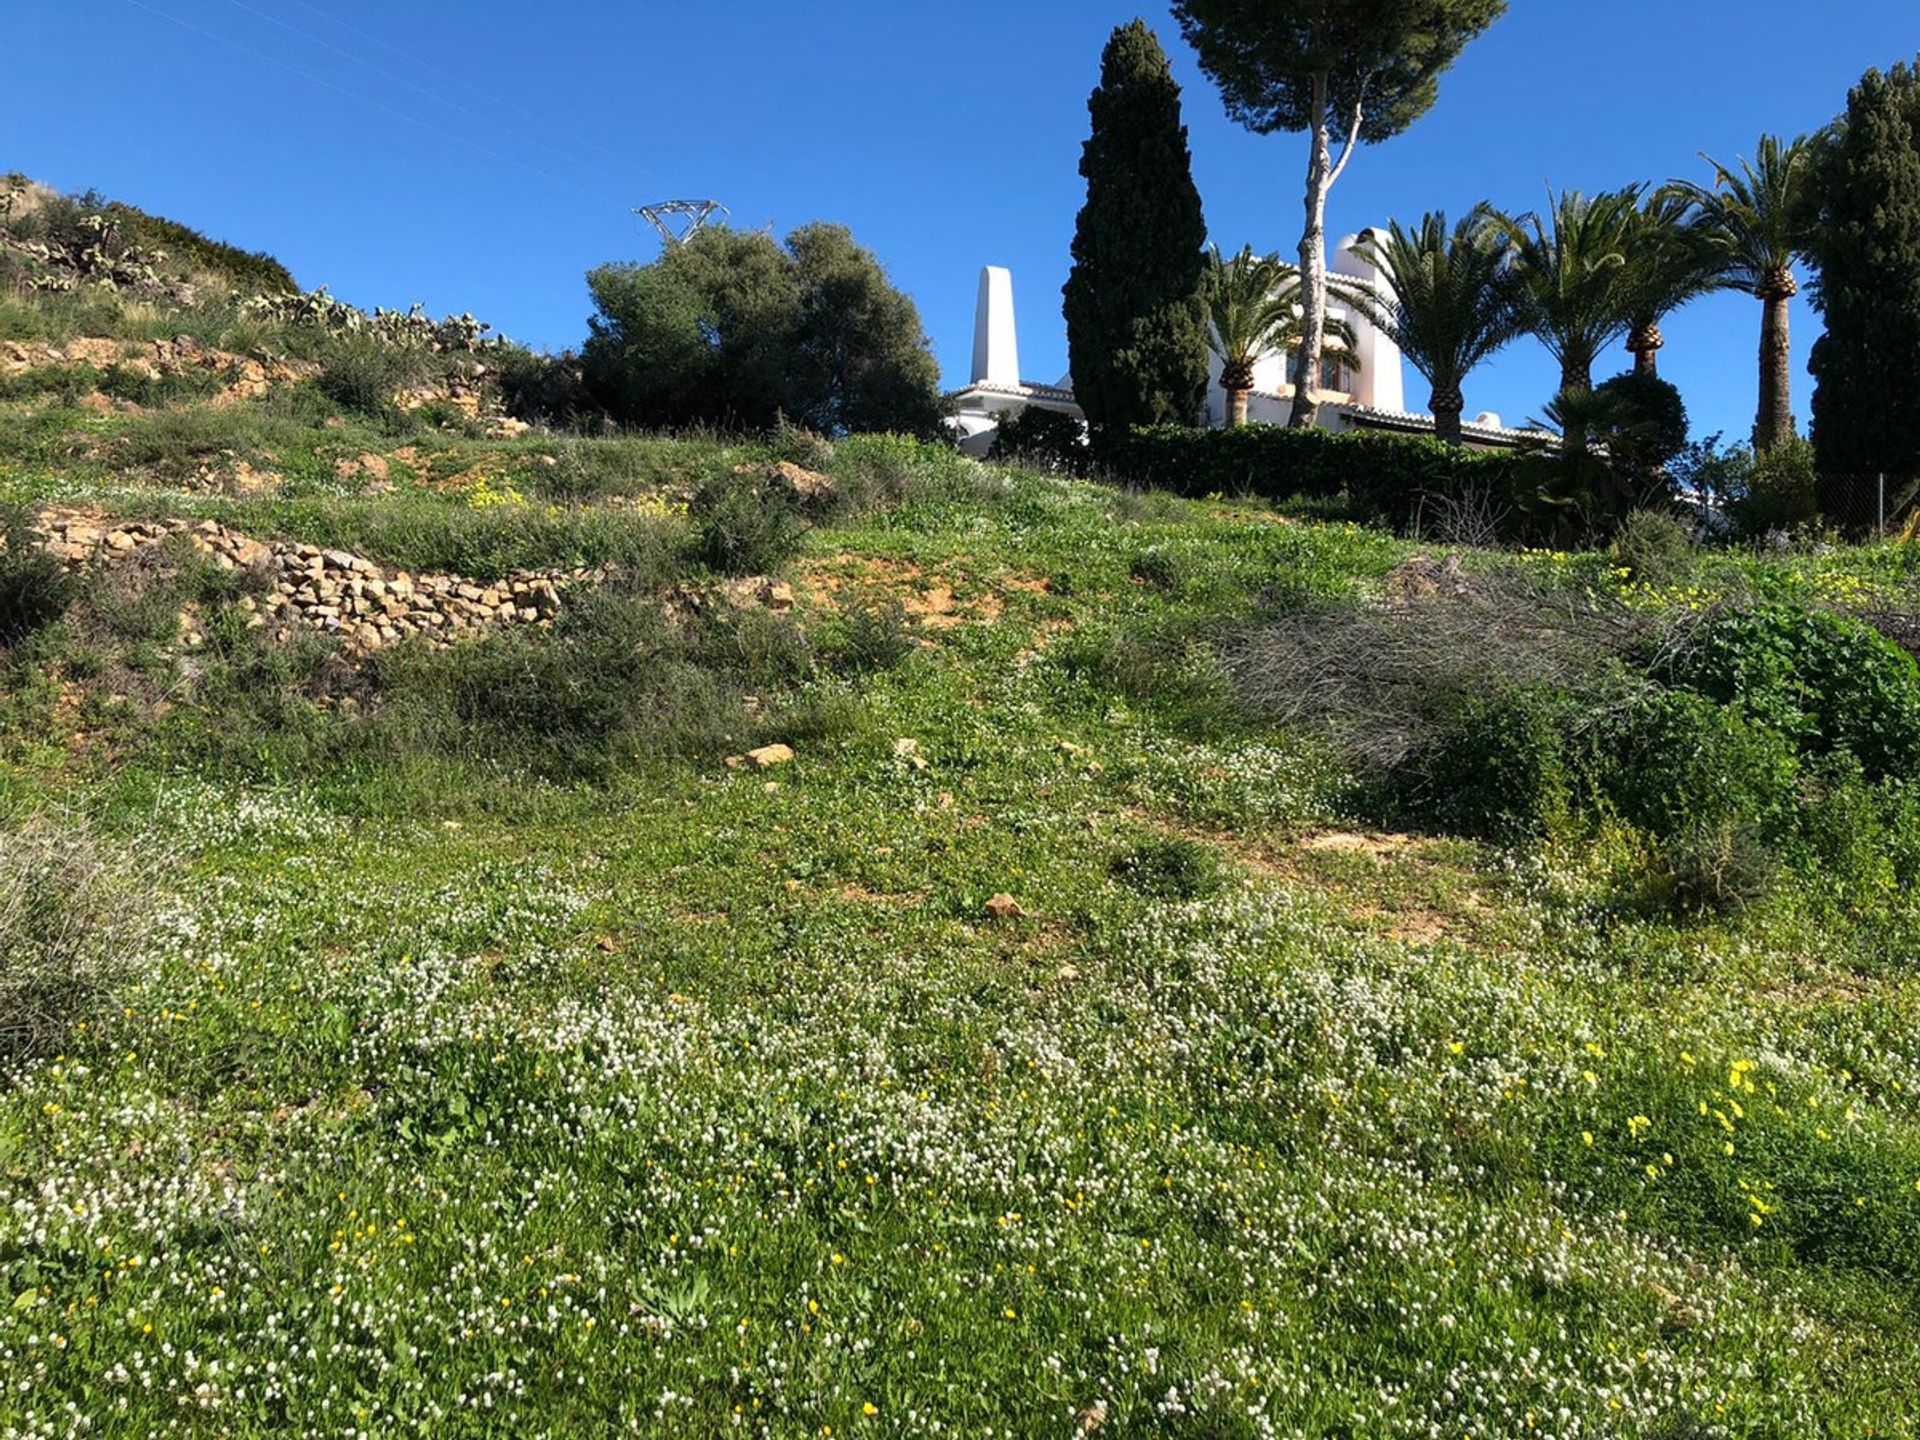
[[1136, 327], [735, 329], [1380, 61]]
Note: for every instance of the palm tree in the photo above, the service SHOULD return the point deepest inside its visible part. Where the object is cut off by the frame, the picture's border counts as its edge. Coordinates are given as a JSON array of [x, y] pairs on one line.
[[1671, 258], [1253, 310], [1576, 290], [1452, 302], [1754, 214]]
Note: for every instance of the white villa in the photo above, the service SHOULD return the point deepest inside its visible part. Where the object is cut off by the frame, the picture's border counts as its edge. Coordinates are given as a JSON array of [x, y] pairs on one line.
[[1371, 397]]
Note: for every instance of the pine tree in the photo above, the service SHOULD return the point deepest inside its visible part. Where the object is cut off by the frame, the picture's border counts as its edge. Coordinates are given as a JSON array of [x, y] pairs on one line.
[[1136, 327], [1863, 241], [1355, 72]]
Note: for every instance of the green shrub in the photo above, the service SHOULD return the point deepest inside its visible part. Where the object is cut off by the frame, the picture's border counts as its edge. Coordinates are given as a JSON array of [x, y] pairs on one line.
[[872, 636], [365, 373], [35, 590], [138, 387], [1170, 868], [250, 271], [1781, 490], [887, 470], [1677, 760], [1499, 771], [614, 682], [806, 448], [1715, 867], [66, 383], [1159, 568], [1654, 547], [1825, 681], [744, 526]]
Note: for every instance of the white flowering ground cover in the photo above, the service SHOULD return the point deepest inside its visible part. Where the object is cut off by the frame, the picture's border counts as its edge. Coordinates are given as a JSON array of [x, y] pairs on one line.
[[707, 1102]]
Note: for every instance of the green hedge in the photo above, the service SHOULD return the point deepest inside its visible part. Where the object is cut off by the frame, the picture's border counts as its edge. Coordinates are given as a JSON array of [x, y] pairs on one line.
[[1382, 477]]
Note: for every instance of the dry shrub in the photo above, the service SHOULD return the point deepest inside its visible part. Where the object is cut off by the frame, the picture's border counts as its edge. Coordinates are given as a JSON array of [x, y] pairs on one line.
[[1383, 678], [71, 919]]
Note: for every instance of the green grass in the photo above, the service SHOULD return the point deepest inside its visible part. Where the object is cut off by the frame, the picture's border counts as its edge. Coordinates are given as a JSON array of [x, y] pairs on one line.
[[699, 1100]]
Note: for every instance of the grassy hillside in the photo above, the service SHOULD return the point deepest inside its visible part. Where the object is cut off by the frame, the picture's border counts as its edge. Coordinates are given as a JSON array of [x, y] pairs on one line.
[[457, 1030]]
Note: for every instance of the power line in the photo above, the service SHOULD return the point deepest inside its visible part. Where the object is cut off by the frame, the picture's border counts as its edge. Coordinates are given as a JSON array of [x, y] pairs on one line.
[[417, 89], [359, 99], [464, 83]]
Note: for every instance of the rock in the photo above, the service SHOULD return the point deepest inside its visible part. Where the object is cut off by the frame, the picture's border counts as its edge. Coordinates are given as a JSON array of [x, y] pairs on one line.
[[809, 487], [767, 757], [1004, 907]]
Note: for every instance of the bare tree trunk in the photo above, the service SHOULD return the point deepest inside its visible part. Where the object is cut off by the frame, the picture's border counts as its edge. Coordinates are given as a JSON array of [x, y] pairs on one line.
[[1313, 265], [1775, 423], [1237, 408]]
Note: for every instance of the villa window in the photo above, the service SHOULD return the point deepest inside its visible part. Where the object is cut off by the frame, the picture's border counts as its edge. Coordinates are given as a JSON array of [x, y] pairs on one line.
[[1333, 376]]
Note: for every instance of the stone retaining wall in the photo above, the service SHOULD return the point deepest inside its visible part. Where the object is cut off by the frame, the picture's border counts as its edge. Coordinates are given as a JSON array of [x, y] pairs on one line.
[[332, 591]]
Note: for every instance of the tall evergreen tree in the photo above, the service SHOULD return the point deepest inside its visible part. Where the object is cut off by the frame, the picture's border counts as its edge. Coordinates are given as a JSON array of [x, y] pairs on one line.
[[1863, 241], [1136, 325]]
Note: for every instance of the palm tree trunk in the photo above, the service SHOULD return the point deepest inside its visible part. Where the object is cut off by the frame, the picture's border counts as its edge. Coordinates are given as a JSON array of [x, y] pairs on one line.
[[1237, 408], [1313, 265], [1448, 405], [1645, 342], [1775, 423]]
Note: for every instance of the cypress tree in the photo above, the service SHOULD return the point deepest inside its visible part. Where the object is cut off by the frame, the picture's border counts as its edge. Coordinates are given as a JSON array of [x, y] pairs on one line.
[[1863, 240], [1136, 326]]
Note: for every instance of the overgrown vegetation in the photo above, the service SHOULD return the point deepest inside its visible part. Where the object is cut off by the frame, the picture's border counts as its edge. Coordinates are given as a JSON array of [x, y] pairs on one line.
[[901, 945]]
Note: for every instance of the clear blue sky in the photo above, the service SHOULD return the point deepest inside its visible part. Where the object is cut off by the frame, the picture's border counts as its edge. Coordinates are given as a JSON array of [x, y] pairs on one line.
[[482, 155]]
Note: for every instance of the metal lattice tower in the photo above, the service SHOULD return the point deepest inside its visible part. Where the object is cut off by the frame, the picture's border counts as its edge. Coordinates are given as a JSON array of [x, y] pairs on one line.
[[678, 221]]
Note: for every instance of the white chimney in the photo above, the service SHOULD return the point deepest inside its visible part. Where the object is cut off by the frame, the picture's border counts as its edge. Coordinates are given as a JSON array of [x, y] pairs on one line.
[[996, 344]]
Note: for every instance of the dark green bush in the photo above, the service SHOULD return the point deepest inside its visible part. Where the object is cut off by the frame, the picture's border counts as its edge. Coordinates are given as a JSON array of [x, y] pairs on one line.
[[1499, 771], [1387, 478], [1678, 760], [1042, 440], [1650, 427], [249, 271], [35, 590], [1170, 868], [1825, 681], [138, 387], [63, 382], [540, 389], [745, 526]]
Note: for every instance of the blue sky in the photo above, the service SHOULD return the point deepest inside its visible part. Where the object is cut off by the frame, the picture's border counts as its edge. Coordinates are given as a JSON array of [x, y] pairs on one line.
[[482, 155]]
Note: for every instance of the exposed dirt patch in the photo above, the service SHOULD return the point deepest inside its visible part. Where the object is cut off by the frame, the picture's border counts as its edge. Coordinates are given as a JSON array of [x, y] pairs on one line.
[[938, 601], [1351, 842]]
